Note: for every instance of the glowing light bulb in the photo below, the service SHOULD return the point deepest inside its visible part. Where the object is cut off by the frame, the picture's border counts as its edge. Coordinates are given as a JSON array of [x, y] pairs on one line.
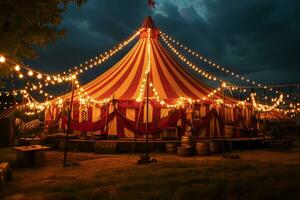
[[2, 59], [17, 68], [30, 73], [39, 76]]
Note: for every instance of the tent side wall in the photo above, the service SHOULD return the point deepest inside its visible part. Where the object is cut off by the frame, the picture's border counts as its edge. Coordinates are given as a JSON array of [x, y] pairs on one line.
[[207, 118]]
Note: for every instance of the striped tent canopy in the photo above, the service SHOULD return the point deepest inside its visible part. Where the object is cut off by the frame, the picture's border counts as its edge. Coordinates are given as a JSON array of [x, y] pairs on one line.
[[121, 89], [124, 80]]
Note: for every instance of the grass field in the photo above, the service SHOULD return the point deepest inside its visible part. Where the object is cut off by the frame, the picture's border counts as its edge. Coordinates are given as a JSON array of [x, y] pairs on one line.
[[258, 174]]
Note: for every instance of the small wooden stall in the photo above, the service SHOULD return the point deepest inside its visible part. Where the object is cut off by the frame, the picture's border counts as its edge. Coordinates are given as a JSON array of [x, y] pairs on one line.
[[31, 156]]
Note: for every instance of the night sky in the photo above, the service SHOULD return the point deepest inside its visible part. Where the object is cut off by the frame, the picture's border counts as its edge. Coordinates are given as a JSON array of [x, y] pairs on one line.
[[258, 38]]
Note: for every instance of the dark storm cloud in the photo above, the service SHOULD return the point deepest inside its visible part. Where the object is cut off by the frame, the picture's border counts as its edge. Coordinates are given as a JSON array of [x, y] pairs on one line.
[[249, 36], [259, 37], [91, 29], [263, 33]]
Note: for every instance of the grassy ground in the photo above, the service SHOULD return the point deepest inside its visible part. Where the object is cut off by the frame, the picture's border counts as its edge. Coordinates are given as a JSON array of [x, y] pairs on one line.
[[258, 174]]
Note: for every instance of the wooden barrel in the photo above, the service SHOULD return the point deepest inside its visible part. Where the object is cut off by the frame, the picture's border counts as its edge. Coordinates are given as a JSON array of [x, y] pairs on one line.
[[171, 148], [184, 150], [188, 140], [229, 131], [202, 148], [215, 147]]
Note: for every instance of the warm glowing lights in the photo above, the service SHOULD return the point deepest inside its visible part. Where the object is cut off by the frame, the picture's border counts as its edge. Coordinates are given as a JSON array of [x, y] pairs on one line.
[[2, 59], [102, 57], [60, 78], [167, 38], [147, 71], [219, 101], [144, 82], [39, 76], [190, 64], [17, 68], [84, 99], [266, 108], [30, 73]]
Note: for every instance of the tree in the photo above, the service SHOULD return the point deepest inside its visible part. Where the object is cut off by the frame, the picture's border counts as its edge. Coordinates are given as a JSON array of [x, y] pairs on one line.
[[27, 24]]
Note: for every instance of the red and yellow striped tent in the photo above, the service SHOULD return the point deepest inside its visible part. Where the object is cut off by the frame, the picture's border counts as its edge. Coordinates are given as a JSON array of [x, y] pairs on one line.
[[125, 82]]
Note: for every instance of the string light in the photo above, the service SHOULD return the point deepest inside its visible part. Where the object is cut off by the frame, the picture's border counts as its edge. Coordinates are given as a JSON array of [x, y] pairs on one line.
[[30, 73], [64, 77], [265, 108], [85, 99], [144, 81], [17, 68], [58, 78], [191, 65], [182, 100], [2, 59], [165, 38], [39, 76]]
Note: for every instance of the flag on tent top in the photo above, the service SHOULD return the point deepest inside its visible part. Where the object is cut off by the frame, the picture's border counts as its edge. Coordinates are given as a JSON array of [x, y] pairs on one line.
[[151, 3]]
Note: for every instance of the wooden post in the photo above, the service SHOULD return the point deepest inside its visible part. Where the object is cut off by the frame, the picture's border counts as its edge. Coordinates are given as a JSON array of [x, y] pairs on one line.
[[224, 110], [69, 124], [147, 113]]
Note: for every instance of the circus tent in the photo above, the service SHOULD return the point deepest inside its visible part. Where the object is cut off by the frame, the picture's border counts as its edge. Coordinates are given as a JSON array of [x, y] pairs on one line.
[[175, 96]]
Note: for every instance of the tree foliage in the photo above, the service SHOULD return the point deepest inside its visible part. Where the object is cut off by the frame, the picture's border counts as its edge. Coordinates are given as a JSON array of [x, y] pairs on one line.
[[28, 24]]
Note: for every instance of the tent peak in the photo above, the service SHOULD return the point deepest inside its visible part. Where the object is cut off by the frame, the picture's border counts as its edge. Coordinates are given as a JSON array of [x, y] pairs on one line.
[[148, 23]]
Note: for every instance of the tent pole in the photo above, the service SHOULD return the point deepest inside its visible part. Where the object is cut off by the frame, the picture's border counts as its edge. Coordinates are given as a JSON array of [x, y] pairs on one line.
[[145, 158], [69, 124], [106, 123], [138, 119], [224, 115], [147, 113]]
